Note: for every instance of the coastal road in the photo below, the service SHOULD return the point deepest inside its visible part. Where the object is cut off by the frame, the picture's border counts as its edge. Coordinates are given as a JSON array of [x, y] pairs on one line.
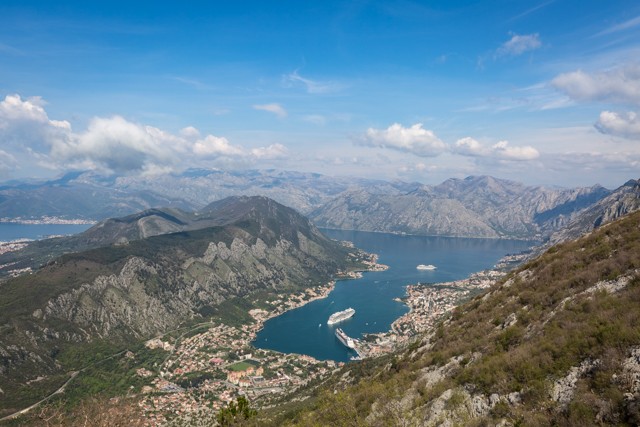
[[35, 405]]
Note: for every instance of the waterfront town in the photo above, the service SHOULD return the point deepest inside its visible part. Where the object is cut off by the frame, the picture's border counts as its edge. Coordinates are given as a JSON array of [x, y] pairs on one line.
[[207, 370], [428, 304], [211, 365], [48, 220]]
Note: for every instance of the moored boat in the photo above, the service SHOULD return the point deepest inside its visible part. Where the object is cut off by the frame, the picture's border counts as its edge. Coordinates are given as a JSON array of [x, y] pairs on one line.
[[345, 339]]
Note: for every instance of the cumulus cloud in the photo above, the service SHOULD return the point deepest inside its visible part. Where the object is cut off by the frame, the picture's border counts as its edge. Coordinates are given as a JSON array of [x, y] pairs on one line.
[[25, 123], [619, 85], [14, 110], [215, 146], [276, 109], [504, 151], [190, 132], [415, 140], [501, 150], [112, 144], [469, 147], [518, 45], [312, 86], [626, 125], [272, 152]]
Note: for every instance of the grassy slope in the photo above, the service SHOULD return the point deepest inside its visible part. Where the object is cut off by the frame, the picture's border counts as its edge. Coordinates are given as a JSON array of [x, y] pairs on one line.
[[558, 326]]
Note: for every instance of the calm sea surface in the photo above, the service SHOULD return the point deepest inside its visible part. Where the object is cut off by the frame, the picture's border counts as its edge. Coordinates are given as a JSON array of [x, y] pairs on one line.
[[10, 231], [305, 330]]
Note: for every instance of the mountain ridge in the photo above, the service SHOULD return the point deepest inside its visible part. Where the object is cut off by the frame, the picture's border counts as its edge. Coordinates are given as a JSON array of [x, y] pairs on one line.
[[122, 293], [472, 207]]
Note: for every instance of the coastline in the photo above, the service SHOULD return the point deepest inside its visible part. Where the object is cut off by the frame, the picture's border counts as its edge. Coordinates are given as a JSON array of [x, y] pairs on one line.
[[47, 220], [210, 353], [430, 303], [319, 292]]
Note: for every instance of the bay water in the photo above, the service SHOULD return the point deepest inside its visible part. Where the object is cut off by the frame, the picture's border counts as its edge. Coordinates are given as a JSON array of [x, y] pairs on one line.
[[13, 231], [305, 330]]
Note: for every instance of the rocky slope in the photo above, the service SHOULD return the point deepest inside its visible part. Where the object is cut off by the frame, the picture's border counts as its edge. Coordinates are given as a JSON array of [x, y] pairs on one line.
[[622, 201], [557, 342], [120, 294], [472, 207]]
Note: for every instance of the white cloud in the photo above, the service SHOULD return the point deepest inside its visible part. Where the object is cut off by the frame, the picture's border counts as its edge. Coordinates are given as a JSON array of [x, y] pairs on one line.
[[518, 45], [415, 139], [190, 132], [619, 85], [501, 150], [111, 144], [13, 110], [272, 152], [276, 109], [25, 123], [312, 86], [469, 147], [214, 146], [114, 144], [626, 125]]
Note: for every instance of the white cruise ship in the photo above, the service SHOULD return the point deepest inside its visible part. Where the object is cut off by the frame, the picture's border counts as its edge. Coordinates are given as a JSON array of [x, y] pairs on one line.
[[426, 267], [340, 316], [345, 339]]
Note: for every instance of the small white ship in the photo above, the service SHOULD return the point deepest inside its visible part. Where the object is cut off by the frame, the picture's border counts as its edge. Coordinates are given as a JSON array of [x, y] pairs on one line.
[[345, 339], [426, 267], [340, 316]]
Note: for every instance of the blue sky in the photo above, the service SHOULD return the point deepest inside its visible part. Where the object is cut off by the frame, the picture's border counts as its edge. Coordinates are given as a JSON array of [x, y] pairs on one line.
[[540, 92]]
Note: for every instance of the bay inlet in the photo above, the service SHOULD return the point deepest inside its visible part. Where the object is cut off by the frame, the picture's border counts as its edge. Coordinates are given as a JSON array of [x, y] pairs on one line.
[[305, 331]]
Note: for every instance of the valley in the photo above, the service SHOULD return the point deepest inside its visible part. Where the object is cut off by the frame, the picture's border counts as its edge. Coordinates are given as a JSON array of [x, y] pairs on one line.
[[166, 306]]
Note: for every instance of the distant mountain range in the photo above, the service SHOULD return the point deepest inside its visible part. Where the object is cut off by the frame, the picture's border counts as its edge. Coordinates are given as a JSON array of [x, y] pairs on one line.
[[477, 206], [167, 267], [472, 207]]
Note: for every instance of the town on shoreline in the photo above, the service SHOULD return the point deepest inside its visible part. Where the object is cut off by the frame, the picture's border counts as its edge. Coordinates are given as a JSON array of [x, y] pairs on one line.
[[49, 220], [222, 364]]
